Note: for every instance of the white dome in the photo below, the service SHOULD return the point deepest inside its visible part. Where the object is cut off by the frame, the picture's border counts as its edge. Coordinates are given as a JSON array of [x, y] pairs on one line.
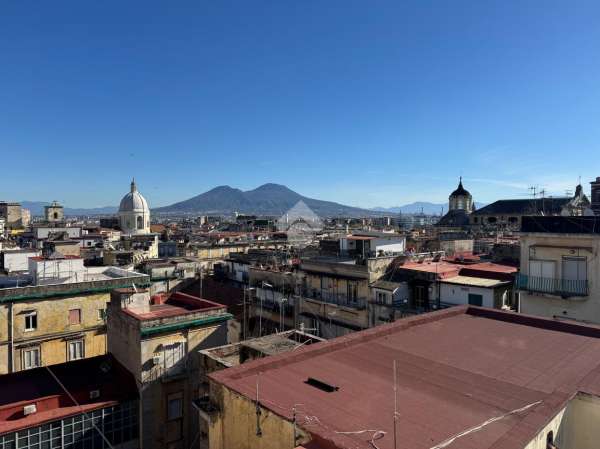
[[134, 213], [133, 201]]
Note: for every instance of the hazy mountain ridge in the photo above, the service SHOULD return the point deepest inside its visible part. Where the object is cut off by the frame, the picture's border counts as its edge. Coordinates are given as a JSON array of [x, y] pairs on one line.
[[37, 209], [267, 199], [420, 206]]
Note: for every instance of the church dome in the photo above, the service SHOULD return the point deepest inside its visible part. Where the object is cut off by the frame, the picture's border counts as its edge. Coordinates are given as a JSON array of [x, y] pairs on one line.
[[460, 199], [134, 213], [133, 201], [460, 191]]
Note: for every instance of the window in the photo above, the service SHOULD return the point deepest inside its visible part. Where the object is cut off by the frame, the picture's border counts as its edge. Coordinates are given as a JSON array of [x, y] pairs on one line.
[[574, 268], [101, 314], [30, 321], [75, 349], [140, 223], [382, 298], [175, 408], [542, 268], [475, 300], [174, 428], [31, 358], [74, 316], [352, 291], [55, 215], [173, 353]]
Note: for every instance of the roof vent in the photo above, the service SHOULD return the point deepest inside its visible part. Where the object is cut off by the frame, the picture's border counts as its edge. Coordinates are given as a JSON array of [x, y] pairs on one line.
[[94, 394], [29, 409], [324, 386]]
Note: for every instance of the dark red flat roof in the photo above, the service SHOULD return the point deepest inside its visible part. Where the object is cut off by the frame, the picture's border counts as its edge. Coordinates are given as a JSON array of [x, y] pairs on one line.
[[178, 303], [37, 386], [456, 369]]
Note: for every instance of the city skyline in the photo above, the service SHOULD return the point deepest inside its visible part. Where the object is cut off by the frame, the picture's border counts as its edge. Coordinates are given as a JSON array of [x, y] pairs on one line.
[[369, 107]]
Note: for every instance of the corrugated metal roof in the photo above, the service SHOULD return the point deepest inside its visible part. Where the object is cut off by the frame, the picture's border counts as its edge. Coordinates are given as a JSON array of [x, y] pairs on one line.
[[456, 369]]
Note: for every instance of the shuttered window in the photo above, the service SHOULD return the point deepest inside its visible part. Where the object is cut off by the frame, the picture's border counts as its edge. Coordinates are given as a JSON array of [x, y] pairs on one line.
[[74, 316]]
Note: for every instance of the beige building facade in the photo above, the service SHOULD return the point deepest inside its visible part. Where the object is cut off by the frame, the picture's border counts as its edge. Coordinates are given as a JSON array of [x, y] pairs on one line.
[[560, 270], [55, 323], [157, 341]]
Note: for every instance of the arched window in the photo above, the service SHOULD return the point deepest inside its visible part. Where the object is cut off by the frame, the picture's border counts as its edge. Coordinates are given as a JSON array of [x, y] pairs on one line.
[[56, 215], [140, 223], [550, 440]]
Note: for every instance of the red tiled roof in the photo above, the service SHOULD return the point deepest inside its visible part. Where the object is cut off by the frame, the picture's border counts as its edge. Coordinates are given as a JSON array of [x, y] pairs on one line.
[[456, 368]]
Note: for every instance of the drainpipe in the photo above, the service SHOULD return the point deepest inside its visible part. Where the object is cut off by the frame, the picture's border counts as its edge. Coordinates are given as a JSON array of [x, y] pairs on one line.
[[11, 337]]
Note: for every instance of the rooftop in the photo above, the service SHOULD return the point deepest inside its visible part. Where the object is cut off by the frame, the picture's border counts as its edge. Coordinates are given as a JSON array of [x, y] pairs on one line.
[[474, 281], [37, 386], [551, 206], [90, 279], [445, 269], [457, 369], [237, 353], [561, 225], [176, 304]]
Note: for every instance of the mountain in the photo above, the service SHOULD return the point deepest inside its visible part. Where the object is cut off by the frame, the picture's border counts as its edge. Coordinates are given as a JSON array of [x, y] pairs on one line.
[[37, 209], [418, 206], [268, 199]]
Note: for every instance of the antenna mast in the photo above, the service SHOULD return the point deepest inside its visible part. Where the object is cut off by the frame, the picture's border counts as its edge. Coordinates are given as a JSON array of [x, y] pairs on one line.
[[395, 405]]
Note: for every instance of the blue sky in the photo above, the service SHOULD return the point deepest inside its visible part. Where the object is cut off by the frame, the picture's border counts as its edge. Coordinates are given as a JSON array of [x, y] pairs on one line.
[[366, 103]]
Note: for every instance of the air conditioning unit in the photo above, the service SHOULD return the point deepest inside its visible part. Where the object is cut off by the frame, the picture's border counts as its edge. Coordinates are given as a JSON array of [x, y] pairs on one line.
[[94, 394], [29, 409], [156, 360]]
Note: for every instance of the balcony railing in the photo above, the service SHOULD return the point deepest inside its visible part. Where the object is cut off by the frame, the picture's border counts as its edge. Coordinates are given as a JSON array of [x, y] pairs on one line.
[[337, 299], [275, 305], [553, 286]]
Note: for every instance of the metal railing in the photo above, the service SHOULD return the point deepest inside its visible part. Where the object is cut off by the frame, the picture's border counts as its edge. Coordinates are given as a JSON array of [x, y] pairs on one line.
[[337, 299], [553, 286]]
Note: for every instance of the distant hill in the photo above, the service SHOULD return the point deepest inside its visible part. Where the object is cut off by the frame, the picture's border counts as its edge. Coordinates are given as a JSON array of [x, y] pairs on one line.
[[418, 206], [268, 199], [37, 209]]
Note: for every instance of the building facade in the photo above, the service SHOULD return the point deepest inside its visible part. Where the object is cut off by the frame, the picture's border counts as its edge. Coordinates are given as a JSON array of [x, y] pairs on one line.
[[560, 271], [11, 212], [59, 320], [157, 340], [54, 212]]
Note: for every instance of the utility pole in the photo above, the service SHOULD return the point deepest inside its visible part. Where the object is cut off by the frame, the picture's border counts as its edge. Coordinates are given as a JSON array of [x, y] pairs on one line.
[[258, 412], [395, 406], [201, 289], [244, 314]]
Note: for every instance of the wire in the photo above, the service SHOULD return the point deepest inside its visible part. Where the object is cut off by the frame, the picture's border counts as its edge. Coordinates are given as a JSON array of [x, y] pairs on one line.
[[80, 408], [451, 440], [377, 435]]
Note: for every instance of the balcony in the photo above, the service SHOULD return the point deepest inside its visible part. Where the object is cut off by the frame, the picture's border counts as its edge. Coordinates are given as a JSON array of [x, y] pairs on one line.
[[274, 305], [553, 286], [337, 299]]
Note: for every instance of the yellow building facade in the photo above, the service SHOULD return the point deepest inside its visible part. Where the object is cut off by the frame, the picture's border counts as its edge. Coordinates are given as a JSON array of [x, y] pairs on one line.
[[46, 325]]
